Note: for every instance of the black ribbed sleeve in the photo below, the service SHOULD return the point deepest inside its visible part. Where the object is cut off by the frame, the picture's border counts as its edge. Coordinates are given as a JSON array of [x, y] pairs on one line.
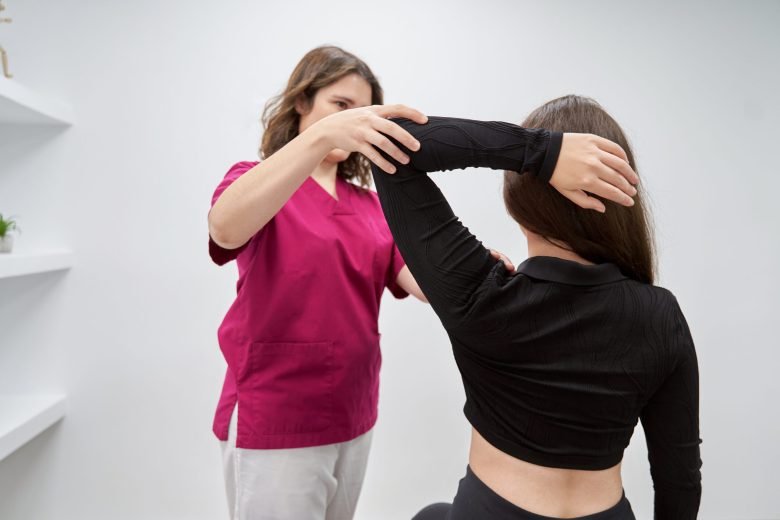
[[448, 262], [671, 423]]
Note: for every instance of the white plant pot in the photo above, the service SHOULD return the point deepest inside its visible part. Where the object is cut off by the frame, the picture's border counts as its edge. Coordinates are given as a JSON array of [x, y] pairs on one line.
[[6, 244]]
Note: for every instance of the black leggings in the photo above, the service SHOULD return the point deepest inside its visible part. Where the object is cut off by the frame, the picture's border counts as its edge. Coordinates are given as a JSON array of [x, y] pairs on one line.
[[476, 501]]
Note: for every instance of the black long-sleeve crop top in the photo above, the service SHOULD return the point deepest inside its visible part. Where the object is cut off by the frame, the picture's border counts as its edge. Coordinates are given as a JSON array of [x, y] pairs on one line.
[[560, 359]]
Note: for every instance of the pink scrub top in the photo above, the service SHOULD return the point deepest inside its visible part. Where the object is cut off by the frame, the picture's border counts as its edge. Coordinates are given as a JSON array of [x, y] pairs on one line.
[[301, 339]]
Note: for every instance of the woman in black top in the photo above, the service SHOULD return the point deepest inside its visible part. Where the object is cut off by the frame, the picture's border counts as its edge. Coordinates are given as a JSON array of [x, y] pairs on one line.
[[561, 358]]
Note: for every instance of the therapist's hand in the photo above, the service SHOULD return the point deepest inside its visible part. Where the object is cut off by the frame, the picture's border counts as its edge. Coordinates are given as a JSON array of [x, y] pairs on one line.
[[501, 256], [360, 129], [591, 165]]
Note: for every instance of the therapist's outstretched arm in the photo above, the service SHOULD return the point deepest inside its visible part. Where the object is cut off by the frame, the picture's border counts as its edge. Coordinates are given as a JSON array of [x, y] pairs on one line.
[[253, 199], [406, 281]]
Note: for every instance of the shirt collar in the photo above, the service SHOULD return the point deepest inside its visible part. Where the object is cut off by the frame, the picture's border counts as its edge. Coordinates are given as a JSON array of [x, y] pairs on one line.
[[569, 272]]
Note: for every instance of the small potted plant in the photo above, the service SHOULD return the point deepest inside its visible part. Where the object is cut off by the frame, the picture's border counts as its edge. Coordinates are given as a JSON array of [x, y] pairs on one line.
[[7, 225]]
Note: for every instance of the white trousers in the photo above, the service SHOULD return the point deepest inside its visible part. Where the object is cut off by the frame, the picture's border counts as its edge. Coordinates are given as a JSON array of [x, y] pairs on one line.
[[317, 483]]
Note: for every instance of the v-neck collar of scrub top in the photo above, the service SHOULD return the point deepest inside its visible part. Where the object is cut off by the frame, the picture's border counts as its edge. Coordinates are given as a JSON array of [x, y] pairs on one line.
[[340, 206]]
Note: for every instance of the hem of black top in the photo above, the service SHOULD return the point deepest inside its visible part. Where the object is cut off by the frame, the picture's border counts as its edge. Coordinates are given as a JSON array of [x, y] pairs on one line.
[[524, 453], [551, 157]]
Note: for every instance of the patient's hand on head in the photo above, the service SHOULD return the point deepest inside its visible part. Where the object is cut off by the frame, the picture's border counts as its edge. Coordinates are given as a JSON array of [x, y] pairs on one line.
[[589, 164]]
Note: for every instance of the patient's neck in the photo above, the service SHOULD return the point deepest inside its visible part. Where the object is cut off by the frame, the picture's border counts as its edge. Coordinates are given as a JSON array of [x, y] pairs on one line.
[[539, 246]]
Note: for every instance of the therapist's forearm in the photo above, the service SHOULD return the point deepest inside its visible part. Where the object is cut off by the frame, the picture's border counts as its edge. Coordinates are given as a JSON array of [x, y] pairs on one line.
[[256, 197], [406, 281]]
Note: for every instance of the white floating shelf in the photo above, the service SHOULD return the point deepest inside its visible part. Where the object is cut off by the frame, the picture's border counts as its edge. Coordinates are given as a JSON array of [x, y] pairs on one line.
[[19, 264], [22, 106], [23, 417]]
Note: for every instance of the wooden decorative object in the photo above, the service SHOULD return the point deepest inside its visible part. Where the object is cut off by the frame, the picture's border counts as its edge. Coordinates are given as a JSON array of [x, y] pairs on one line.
[[3, 54], [4, 59]]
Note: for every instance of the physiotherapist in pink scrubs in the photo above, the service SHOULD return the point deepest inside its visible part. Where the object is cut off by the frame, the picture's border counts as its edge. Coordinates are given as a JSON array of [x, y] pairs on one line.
[[314, 256]]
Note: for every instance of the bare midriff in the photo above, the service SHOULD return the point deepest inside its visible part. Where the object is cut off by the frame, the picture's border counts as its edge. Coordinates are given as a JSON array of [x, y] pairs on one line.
[[555, 492]]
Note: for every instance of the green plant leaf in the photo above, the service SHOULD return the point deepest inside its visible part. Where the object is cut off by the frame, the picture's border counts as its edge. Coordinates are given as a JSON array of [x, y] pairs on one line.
[[7, 225]]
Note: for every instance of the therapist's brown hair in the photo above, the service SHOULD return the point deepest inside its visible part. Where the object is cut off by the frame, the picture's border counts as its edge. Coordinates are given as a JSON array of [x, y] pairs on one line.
[[622, 236], [317, 69]]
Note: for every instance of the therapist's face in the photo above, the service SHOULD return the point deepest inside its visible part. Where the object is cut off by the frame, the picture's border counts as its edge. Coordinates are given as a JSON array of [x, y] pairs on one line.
[[351, 91]]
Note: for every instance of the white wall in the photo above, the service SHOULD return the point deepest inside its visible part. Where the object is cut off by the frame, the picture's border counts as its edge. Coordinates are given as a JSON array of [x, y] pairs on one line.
[[167, 96]]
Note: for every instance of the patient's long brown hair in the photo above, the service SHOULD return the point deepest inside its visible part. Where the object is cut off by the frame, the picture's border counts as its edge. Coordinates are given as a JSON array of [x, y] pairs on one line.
[[622, 236], [317, 69]]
